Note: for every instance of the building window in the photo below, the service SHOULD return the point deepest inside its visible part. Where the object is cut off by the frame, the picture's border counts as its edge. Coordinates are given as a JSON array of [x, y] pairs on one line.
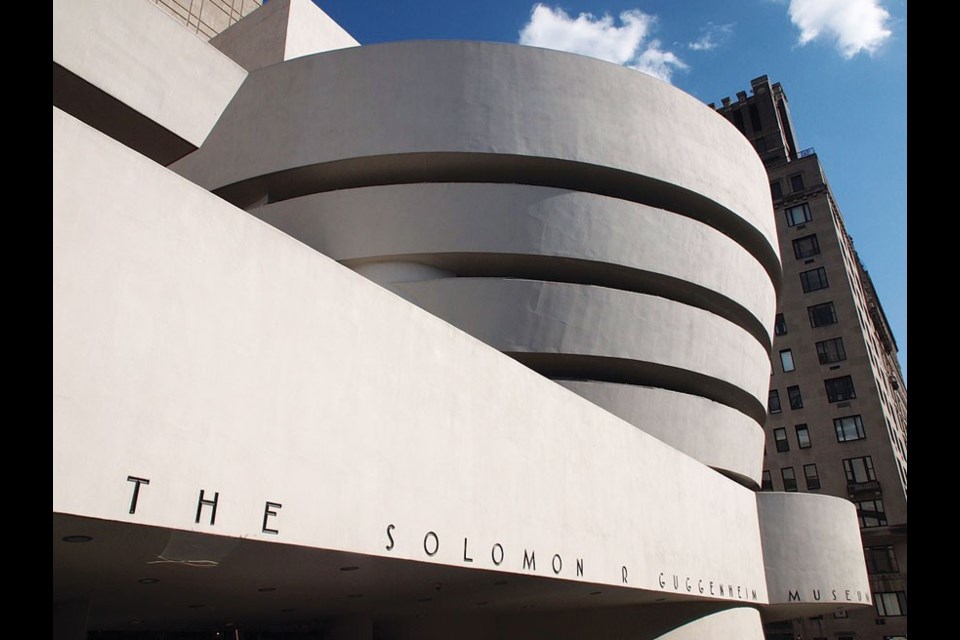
[[767, 482], [891, 603], [870, 513], [798, 214], [806, 246], [803, 436], [755, 117], [773, 401], [859, 470], [780, 326], [789, 479], [780, 438], [822, 314], [814, 280], [840, 389], [760, 144], [738, 120], [849, 428], [786, 360], [776, 191], [830, 351], [796, 182], [881, 559], [796, 400], [811, 476]]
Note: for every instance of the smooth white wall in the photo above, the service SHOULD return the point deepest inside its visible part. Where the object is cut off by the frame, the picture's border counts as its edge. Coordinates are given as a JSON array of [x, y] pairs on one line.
[[201, 348]]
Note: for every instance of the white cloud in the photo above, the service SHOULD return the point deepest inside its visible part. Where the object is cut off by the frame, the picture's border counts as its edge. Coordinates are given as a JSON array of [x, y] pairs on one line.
[[601, 38], [855, 25], [660, 64], [713, 36]]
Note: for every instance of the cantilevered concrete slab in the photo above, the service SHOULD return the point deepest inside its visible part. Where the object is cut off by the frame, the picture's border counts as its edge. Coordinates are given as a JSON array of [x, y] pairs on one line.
[[130, 71]]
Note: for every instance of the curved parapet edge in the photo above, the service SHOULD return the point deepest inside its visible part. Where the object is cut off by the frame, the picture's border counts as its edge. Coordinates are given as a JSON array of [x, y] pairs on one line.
[[586, 331], [459, 111], [812, 554], [535, 232], [716, 435], [742, 623]]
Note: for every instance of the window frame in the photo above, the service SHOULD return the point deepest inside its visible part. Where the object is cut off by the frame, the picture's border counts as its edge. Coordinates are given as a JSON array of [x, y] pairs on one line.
[[738, 121], [831, 350], [794, 397], [814, 312], [766, 481], [809, 284], [774, 395], [776, 190], [756, 124], [777, 440], [881, 559], [878, 513], [803, 428], [780, 325], [852, 471], [835, 393], [793, 182], [789, 359], [883, 604], [840, 428], [799, 252], [812, 480], [789, 482], [792, 219]]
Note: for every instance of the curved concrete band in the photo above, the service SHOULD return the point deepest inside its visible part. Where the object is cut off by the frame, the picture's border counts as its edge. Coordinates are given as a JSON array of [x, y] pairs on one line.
[[812, 553], [486, 105], [661, 342], [708, 431], [741, 623], [538, 233]]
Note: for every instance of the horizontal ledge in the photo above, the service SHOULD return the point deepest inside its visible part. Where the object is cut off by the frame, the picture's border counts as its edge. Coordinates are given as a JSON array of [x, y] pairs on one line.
[[463, 167], [724, 439], [120, 121], [584, 272], [534, 316], [577, 367]]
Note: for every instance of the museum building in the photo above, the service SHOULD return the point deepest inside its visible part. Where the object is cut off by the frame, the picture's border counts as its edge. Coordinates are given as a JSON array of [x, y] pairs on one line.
[[410, 341]]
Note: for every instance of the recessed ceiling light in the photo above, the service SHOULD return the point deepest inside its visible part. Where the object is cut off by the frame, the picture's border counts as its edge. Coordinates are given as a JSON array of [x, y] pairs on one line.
[[349, 568], [77, 538], [148, 580]]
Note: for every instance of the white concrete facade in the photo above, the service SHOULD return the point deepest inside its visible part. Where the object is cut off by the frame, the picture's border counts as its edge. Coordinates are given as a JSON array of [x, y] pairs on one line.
[[254, 437]]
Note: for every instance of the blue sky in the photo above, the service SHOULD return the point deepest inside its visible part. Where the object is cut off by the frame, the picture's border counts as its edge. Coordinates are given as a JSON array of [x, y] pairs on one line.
[[842, 64]]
